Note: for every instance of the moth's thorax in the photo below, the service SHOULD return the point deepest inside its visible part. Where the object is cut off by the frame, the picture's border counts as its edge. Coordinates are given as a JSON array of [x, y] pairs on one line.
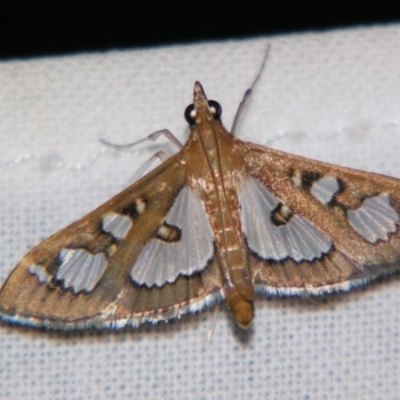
[[215, 171], [212, 153]]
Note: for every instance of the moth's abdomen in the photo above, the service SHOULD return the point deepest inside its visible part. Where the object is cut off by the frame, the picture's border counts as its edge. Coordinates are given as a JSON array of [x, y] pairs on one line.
[[242, 309]]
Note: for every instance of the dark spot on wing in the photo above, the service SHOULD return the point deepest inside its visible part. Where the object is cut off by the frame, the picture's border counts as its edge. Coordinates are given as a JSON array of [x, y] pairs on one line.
[[308, 178], [133, 209], [169, 233], [280, 215]]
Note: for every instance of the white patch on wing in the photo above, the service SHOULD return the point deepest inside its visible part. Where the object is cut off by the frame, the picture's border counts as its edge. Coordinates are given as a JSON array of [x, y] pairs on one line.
[[140, 205], [160, 261], [297, 181], [80, 270], [42, 275], [164, 231], [325, 188], [297, 239], [117, 224], [297, 178], [375, 219]]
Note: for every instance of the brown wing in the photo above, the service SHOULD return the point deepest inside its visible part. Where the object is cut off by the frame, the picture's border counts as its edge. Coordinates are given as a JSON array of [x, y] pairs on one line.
[[108, 240], [355, 214]]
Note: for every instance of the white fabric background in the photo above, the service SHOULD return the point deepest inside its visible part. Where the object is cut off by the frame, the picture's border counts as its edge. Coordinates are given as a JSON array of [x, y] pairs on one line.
[[332, 96]]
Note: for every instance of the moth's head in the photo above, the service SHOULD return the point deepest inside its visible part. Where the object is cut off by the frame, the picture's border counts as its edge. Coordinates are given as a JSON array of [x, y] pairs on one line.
[[202, 109]]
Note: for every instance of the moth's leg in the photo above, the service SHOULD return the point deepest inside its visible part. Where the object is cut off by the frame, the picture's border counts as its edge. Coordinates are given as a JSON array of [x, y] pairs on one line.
[[161, 155], [248, 92], [152, 137]]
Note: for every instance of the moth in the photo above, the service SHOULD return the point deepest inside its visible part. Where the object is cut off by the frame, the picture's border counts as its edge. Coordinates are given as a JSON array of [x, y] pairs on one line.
[[220, 221]]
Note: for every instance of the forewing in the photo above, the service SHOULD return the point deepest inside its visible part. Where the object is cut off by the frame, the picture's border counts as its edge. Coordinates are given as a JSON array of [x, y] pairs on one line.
[[82, 276], [313, 227]]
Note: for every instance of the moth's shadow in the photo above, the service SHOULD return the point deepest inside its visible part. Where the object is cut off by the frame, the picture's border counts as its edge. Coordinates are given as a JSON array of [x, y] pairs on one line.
[[243, 336]]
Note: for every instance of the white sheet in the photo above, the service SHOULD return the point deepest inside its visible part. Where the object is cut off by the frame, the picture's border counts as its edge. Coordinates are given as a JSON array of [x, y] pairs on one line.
[[334, 96]]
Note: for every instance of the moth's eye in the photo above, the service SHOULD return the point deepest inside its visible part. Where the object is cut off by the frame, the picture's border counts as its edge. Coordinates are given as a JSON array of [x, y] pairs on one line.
[[190, 114], [215, 109]]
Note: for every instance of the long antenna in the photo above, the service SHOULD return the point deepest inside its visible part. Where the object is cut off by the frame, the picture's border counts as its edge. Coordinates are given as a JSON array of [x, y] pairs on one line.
[[249, 91]]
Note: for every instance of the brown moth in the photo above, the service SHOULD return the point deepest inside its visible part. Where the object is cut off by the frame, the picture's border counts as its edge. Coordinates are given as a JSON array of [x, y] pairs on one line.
[[221, 220]]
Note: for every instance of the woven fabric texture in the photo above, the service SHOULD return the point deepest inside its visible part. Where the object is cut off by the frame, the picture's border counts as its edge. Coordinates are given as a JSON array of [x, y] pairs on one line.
[[333, 96]]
